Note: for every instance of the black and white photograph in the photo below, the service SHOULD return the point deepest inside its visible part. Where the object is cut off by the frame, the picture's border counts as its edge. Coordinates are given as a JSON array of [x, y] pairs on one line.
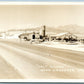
[[42, 41]]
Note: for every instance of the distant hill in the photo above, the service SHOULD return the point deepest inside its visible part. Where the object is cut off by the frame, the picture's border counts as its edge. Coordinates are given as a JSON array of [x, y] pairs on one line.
[[26, 29], [67, 28]]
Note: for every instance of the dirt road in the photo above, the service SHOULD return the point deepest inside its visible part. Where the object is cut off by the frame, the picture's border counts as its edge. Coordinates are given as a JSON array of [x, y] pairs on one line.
[[29, 61]]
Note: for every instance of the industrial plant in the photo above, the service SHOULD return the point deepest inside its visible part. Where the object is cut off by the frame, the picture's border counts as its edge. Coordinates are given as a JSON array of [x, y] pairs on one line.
[[35, 35], [41, 36]]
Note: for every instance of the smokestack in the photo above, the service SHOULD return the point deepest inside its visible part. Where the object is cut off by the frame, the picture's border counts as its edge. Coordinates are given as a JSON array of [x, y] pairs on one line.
[[44, 30]]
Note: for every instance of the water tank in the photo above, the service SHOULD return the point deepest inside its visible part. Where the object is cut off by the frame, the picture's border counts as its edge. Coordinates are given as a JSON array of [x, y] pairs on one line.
[[43, 31]]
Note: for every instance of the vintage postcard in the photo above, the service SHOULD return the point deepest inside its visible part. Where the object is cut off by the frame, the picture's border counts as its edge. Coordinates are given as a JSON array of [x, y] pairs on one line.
[[41, 40]]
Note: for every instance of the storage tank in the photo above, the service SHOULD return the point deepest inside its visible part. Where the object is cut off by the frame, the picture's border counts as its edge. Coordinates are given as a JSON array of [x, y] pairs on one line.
[[43, 31]]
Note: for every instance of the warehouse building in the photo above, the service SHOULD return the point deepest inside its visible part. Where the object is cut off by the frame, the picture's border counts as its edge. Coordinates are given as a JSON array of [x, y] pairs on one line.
[[66, 36]]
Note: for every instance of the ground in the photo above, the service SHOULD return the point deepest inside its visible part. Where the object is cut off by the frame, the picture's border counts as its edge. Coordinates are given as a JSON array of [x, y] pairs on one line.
[[76, 46], [19, 59]]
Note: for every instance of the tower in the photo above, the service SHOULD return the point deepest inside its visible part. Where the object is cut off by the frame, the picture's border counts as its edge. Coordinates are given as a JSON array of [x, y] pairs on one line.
[[44, 31]]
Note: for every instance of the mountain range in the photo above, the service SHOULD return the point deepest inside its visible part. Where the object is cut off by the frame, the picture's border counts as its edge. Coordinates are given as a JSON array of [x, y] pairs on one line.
[[75, 29]]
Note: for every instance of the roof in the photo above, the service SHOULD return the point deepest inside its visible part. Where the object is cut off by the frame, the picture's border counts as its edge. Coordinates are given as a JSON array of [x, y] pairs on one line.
[[23, 34], [62, 34], [26, 34]]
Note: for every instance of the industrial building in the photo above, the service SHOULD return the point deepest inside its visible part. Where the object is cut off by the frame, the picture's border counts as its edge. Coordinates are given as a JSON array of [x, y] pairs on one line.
[[67, 36], [35, 35], [41, 36]]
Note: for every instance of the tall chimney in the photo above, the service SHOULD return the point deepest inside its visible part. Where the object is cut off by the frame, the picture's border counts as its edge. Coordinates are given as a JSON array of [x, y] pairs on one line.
[[44, 31]]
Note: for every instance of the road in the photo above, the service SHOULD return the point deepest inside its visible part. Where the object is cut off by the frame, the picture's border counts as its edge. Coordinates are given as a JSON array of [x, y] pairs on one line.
[[21, 60]]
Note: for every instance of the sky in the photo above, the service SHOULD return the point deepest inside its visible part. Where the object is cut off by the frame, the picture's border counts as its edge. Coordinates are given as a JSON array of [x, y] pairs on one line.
[[26, 16]]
